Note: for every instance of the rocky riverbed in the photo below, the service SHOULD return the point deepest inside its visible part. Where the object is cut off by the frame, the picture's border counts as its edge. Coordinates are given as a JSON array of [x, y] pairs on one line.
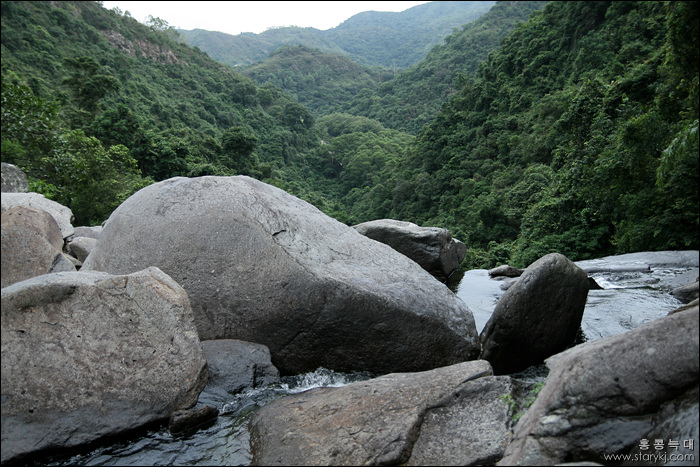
[[635, 289]]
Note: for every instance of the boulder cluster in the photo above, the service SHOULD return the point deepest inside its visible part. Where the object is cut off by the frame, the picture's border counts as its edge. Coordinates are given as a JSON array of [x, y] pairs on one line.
[[228, 283]]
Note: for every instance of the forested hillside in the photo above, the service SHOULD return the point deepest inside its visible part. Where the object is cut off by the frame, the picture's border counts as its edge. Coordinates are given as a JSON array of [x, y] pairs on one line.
[[388, 39], [578, 134], [328, 83], [249, 48], [415, 96], [397, 40], [96, 105], [321, 82]]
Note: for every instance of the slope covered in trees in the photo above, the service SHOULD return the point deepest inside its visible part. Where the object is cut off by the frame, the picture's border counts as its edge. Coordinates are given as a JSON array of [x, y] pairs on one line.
[[397, 40], [328, 83], [249, 48], [92, 81], [388, 39], [579, 134], [315, 79], [414, 97]]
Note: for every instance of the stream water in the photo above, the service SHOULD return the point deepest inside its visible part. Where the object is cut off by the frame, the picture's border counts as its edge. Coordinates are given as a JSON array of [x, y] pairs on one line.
[[635, 290]]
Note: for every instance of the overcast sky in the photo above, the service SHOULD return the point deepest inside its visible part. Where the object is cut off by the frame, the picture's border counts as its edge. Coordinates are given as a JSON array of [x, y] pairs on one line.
[[235, 17]]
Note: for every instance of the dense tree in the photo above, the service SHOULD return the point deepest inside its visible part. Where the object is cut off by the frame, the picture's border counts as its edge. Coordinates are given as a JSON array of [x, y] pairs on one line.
[[237, 148], [88, 84], [577, 133]]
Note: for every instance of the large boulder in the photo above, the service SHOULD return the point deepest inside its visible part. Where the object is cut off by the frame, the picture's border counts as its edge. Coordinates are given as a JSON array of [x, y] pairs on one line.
[[87, 355], [62, 214], [469, 427], [537, 317], [31, 245], [14, 179], [431, 247], [604, 397], [438, 417], [263, 266], [236, 365]]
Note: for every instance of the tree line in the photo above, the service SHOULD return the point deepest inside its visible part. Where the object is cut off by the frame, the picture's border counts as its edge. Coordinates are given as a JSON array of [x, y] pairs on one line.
[[576, 133]]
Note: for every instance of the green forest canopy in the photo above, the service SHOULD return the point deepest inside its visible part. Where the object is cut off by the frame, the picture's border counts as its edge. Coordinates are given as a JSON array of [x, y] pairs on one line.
[[578, 134]]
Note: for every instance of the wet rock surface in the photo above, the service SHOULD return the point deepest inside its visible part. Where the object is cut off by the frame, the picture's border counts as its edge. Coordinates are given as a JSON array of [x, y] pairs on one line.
[[603, 397], [373, 422], [537, 317]]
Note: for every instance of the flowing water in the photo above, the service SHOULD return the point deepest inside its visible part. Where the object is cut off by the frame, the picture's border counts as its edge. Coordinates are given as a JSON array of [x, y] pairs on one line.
[[635, 290], [224, 442], [632, 293]]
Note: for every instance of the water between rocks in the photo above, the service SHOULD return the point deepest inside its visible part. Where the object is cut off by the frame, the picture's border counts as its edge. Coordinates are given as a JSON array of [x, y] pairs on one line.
[[635, 290]]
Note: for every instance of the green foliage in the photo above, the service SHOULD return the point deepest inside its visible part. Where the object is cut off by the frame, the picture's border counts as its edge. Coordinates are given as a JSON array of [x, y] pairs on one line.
[[30, 127], [90, 179], [528, 401], [88, 85], [575, 131], [316, 80], [516, 407], [238, 146], [68, 167], [124, 83], [564, 138], [415, 96]]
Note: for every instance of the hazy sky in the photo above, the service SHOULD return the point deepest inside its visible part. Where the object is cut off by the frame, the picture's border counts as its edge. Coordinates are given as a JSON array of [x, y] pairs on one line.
[[236, 17]]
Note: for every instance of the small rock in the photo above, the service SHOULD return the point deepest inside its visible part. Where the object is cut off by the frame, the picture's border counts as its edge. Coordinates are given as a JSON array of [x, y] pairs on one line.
[[14, 179], [505, 271], [185, 420], [687, 293]]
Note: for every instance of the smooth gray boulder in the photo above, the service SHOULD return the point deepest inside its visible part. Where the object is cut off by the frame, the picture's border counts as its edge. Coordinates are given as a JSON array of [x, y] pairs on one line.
[[469, 427], [431, 247], [62, 214], [14, 179], [37, 222], [236, 365], [263, 266], [89, 232], [374, 422], [537, 317], [81, 247], [31, 245], [88, 355], [602, 398]]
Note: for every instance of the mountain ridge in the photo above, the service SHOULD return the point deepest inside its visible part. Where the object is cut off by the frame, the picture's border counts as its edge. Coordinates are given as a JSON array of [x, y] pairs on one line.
[[370, 38]]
